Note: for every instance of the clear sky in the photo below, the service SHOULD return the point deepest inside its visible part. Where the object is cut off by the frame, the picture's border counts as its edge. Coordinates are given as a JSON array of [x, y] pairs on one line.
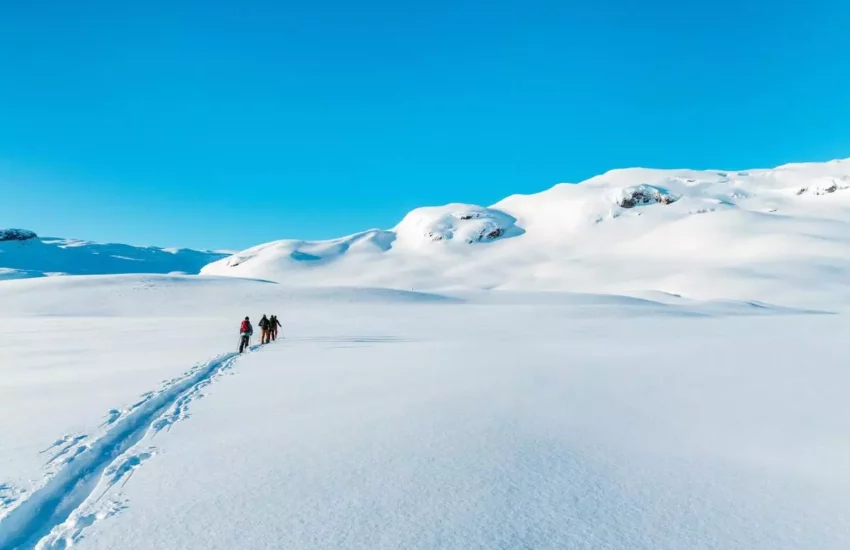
[[224, 124]]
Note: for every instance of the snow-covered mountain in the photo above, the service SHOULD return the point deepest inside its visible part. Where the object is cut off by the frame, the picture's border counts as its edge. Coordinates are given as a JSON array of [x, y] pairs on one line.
[[778, 234], [23, 254]]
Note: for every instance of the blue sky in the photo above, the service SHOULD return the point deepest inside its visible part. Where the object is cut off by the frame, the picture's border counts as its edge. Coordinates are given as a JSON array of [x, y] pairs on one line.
[[226, 124]]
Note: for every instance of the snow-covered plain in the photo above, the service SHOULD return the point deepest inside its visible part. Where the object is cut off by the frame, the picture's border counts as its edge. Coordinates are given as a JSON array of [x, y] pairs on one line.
[[393, 419], [648, 360]]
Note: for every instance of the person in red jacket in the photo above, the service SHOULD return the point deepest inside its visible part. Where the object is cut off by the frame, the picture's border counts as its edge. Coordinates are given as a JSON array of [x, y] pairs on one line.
[[245, 332]]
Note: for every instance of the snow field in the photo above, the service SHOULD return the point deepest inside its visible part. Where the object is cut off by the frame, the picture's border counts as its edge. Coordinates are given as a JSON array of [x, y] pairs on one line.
[[389, 419], [390, 432]]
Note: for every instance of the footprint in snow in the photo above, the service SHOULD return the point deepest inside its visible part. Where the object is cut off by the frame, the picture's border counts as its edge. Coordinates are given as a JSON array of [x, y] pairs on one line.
[[66, 449], [9, 495], [111, 417], [72, 531], [125, 468]]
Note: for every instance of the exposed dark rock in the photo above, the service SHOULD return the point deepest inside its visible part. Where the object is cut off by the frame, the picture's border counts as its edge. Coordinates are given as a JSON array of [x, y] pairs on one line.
[[645, 195], [17, 235], [493, 234], [831, 188]]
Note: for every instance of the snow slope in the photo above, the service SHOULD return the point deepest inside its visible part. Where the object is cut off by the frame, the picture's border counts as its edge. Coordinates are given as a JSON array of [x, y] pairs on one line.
[[36, 257], [780, 235], [395, 419]]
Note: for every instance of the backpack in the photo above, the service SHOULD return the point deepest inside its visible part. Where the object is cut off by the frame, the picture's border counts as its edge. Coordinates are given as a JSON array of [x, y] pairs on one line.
[[245, 327]]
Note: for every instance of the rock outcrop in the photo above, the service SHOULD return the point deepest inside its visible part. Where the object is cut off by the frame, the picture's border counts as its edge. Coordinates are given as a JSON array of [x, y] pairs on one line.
[[464, 223], [825, 188], [17, 235], [645, 194]]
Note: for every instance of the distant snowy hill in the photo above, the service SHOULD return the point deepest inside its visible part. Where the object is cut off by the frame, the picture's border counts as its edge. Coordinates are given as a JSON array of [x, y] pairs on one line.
[[23, 254], [779, 234]]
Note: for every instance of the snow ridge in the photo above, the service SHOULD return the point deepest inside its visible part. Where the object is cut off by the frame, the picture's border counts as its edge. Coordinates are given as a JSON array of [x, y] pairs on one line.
[[53, 516], [778, 235]]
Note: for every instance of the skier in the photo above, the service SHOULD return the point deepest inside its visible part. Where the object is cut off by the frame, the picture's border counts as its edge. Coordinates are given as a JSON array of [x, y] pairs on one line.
[[245, 332], [264, 329], [274, 323]]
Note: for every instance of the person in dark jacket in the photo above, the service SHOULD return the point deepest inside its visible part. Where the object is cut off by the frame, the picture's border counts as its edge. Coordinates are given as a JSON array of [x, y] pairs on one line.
[[264, 329], [273, 326], [245, 332]]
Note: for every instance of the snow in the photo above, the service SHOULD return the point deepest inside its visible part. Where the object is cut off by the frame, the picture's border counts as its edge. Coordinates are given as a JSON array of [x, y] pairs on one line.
[[779, 235], [395, 419], [294, 253], [648, 360], [37, 257], [464, 223]]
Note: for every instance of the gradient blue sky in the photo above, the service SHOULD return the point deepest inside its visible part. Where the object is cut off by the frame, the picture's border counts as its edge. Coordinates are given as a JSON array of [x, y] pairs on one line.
[[226, 124]]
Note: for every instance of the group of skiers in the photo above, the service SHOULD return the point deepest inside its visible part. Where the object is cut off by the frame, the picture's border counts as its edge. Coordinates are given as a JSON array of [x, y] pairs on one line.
[[268, 331]]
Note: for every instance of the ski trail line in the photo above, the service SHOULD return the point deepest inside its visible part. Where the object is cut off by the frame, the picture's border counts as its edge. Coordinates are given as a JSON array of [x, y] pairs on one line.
[[52, 504]]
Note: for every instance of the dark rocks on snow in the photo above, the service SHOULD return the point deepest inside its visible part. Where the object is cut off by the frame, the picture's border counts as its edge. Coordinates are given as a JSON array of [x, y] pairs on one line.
[[17, 235], [494, 234], [645, 196], [484, 235], [831, 188]]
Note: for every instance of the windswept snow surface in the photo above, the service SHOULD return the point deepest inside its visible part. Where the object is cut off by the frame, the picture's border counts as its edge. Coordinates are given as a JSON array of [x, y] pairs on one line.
[[36, 257], [780, 235], [396, 419]]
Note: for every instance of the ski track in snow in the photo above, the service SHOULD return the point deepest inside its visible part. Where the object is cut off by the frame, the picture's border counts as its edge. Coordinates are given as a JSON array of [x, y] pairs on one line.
[[81, 470]]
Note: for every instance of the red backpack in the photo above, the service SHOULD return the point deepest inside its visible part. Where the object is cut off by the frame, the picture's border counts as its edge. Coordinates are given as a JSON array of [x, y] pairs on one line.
[[245, 327]]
